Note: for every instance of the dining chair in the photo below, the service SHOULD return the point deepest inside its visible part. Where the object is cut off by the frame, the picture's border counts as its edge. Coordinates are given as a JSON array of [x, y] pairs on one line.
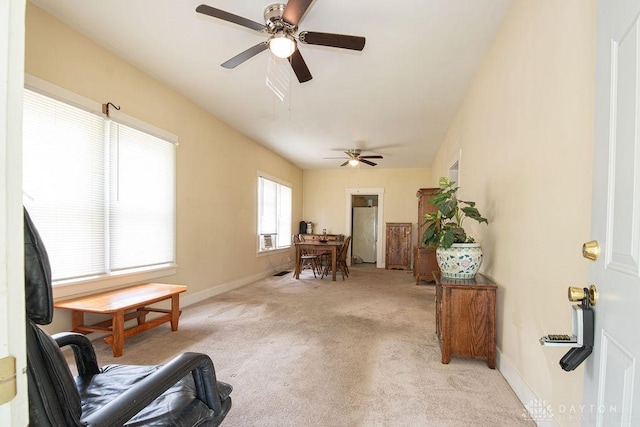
[[341, 260], [324, 255], [307, 259]]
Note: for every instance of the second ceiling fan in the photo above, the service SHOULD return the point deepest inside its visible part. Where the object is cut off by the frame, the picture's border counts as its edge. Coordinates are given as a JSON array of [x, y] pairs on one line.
[[281, 25], [355, 158]]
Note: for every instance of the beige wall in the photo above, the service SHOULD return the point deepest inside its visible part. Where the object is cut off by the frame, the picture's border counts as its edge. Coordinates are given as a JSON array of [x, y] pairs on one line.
[[325, 197], [525, 131], [216, 166]]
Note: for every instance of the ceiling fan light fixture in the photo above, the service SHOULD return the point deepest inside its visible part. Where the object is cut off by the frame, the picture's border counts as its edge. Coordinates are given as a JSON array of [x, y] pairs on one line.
[[354, 162], [282, 45]]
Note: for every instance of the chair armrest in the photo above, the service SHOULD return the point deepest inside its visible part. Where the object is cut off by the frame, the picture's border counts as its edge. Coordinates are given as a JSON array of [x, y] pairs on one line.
[[83, 351], [132, 401]]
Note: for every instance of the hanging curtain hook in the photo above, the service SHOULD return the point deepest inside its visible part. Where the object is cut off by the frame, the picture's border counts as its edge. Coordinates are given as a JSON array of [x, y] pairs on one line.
[[105, 108]]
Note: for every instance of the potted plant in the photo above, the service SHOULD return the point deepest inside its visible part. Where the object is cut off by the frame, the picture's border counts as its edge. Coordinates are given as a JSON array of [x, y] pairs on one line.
[[457, 253]]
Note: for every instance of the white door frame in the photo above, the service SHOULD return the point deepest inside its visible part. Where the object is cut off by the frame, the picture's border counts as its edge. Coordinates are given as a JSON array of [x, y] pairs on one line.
[[381, 237], [12, 302], [454, 168]]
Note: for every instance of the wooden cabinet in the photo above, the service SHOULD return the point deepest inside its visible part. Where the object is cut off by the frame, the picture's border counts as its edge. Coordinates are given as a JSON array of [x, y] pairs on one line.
[[424, 207], [398, 250], [424, 259], [466, 318], [424, 264]]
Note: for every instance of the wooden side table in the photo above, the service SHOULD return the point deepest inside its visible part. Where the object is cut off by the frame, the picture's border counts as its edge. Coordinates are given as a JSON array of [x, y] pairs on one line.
[[466, 318]]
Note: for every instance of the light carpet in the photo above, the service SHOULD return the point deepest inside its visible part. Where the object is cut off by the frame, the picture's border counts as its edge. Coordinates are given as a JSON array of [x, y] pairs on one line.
[[312, 352]]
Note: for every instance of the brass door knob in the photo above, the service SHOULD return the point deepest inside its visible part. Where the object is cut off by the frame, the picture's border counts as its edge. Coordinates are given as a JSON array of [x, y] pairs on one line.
[[575, 293], [578, 294], [591, 250]]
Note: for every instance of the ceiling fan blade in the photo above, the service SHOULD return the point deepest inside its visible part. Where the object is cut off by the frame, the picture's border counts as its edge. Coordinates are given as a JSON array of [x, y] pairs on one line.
[[367, 162], [230, 17], [247, 54], [299, 66], [334, 158], [333, 40], [294, 10], [345, 163], [371, 157]]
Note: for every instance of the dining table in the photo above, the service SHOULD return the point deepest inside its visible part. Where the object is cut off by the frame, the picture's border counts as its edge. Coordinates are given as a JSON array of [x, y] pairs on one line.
[[318, 246]]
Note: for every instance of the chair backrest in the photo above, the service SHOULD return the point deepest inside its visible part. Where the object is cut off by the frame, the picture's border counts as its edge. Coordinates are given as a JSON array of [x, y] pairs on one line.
[[53, 397], [342, 256], [37, 276]]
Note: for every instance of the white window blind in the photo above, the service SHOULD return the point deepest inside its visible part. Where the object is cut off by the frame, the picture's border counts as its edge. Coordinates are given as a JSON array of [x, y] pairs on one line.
[[63, 181], [284, 216], [142, 191], [102, 194], [268, 206], [274, 214]]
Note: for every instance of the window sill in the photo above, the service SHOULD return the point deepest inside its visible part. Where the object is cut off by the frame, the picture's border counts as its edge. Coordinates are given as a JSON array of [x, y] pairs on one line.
[[67, 289], [273, 251]]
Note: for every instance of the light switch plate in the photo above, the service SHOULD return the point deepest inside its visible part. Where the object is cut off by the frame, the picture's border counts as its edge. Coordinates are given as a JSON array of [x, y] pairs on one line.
[[7, 379]]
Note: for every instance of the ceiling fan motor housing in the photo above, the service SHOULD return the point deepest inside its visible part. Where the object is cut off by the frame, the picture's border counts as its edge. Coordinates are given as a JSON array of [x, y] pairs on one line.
[[273, 19]]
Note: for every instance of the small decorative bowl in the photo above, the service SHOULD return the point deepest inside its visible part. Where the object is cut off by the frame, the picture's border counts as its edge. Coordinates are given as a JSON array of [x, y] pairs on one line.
[[323, 240]]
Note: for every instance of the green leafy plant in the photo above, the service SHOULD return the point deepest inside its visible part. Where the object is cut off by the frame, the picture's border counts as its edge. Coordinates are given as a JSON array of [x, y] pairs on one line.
[[445, 224]]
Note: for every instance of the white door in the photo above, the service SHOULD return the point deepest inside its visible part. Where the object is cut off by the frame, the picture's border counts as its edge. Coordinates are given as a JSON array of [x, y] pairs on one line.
[[611, 392]]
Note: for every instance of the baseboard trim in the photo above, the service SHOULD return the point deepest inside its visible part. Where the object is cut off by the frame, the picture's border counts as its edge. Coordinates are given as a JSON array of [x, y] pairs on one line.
[[190, 299], [535, 407]]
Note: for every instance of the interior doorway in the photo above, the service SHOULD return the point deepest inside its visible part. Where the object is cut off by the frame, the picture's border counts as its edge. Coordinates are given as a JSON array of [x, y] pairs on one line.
[[373, 194], [454, 168], [364, 229]]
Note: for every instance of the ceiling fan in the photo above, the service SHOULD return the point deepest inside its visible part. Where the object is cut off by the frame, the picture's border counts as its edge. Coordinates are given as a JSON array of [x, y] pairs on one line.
[[281, 25], [354, 158]]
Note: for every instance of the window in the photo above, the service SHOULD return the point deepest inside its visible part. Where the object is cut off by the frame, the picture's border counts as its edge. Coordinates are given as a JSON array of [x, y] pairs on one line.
[[274, 215], [102, 193]]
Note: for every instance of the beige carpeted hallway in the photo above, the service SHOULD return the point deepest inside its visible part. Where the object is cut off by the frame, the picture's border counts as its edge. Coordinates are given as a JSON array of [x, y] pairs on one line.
[[312, 352]]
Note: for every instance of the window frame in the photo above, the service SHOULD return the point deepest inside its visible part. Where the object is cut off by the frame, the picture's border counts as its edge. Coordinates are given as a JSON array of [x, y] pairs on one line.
[[279, 182], [92, 284]]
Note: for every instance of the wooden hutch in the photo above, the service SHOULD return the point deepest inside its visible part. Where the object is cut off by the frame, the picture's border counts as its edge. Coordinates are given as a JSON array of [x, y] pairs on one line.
[[424, 259]]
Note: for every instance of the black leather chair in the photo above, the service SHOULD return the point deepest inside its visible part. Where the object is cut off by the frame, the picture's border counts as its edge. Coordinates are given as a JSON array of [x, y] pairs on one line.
[[184, 392]]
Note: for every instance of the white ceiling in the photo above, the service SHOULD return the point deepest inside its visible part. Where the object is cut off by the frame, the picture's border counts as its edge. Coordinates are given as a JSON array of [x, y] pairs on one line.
[[395, 98]]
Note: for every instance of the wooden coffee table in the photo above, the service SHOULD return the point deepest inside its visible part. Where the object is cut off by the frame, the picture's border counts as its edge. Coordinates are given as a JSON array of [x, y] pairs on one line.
[[122, 305]]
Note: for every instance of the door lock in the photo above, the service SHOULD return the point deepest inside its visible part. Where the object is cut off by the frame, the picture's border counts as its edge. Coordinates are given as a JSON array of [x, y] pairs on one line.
[[591, 250], [581, 339], [576, 294]]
